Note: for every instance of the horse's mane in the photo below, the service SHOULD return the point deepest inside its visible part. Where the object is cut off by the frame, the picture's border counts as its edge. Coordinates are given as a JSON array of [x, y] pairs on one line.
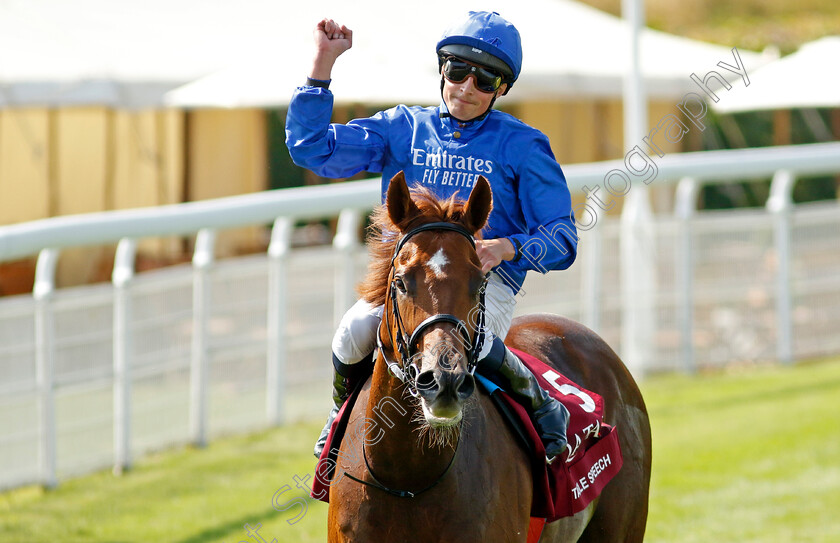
[[383, 236]]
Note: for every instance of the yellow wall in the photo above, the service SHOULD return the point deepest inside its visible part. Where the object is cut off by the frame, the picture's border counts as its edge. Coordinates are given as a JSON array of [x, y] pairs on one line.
[[148, 168], [81, 137], [227, 152], [87, 159], [579, 131], [591, 131], [25, 163], [137, 182], [171, 133], [227, 156]]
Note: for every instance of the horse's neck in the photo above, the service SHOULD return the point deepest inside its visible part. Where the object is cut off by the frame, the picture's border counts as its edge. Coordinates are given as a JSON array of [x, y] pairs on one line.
[[394, 444], [390, 407]]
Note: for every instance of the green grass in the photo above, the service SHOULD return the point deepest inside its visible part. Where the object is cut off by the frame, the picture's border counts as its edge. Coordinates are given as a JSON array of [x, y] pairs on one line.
[[746, 457], [183, 496], [752, 456]]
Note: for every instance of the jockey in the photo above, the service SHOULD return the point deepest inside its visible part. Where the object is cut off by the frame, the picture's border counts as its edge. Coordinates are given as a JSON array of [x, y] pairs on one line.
[[446, 148]]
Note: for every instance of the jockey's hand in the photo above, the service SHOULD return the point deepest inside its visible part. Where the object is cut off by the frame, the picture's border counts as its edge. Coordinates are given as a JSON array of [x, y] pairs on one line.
[[492, 252], [331, 40]]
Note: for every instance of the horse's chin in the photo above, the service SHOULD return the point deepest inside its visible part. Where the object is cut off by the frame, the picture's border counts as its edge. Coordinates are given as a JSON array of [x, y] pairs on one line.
[[439, 427], [441, 418]]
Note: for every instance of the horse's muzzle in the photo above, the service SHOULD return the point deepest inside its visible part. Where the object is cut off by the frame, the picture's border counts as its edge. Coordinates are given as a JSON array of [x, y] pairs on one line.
[[444, 392]]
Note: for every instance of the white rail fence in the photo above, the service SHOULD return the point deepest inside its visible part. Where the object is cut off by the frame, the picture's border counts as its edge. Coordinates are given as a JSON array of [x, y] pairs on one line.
[[98, 375]]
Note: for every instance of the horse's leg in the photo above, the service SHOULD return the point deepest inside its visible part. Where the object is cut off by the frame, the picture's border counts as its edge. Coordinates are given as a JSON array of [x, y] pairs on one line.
[[568, 528], [621, 514], [622, 511], [508, 477]]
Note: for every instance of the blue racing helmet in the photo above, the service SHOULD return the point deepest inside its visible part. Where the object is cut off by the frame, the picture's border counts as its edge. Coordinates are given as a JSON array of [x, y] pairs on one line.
[[485, 38]]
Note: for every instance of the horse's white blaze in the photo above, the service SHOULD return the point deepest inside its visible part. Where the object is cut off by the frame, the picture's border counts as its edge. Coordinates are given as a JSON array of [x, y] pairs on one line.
[[437, 263]]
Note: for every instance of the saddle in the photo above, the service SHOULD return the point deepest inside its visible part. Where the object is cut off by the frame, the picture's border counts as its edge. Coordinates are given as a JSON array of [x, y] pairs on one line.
[[562, 488], [592, 459]]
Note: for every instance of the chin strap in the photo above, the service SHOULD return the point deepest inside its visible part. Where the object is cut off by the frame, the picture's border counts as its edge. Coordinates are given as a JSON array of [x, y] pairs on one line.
[[445, 114]]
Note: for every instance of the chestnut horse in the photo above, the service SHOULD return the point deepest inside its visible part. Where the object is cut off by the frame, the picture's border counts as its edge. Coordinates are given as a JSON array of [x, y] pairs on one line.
[[428, 458]]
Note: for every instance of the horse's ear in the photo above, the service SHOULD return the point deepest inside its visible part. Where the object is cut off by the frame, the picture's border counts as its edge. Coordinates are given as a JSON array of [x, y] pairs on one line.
[[478, 207], [401, 208]]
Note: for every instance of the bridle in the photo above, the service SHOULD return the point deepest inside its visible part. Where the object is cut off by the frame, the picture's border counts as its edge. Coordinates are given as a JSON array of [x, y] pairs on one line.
[[405, 344]]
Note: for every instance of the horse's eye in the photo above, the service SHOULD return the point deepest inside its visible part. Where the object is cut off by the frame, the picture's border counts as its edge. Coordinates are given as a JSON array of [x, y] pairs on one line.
[[399, 284]]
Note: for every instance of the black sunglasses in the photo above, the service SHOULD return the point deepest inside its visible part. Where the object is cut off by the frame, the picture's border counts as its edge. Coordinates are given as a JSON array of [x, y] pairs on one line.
[[457, 70]]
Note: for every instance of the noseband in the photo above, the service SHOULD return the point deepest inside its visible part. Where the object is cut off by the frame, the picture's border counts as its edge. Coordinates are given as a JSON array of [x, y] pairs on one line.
[[405, 344]]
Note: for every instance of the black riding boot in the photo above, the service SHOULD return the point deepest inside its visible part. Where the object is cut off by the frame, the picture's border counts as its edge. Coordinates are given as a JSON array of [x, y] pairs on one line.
[[550, 417], [346, 377]]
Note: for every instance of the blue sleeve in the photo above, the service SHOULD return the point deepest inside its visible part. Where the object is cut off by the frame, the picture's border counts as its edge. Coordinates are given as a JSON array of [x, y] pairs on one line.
[[551, 241], [332, 150]]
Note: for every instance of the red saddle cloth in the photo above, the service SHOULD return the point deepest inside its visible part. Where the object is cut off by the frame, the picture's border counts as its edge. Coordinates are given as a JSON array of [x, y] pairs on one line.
[[561, 489], [592, 459]]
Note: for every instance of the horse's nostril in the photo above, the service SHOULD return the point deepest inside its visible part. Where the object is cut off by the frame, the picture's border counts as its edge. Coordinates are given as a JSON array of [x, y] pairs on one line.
[[466, 387], [426, 383], [446, 386]]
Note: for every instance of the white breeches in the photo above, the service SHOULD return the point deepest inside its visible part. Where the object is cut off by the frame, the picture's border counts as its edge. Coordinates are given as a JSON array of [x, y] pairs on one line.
[[356, 334]]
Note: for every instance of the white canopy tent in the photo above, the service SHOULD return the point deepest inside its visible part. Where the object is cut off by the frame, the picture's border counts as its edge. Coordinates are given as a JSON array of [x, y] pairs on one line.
[[570, 50], [807, 78], [129, 53], [126, 53]]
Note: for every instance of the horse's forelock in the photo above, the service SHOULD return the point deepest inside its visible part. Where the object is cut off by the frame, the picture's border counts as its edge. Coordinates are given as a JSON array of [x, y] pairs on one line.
[[435, 210]]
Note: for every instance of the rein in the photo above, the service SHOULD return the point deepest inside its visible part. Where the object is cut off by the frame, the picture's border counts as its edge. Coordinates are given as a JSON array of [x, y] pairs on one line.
[[404, 345], [402, 493]]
